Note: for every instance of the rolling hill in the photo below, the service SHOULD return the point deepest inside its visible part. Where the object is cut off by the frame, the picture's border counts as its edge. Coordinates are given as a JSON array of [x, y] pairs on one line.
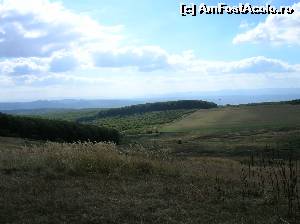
[[238, 118], [152, 107]]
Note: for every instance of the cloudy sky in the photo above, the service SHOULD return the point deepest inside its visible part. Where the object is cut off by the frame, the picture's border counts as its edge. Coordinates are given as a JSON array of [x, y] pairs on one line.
[[137, 48]]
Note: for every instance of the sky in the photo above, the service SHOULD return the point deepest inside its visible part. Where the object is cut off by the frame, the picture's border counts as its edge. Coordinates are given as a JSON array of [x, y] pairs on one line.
[[93, 49]]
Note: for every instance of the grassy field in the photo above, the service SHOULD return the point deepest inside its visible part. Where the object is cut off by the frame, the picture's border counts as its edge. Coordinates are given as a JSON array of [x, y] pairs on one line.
[[225, 131], [229, 131], [225, 165], [104, 183], [242, 118]]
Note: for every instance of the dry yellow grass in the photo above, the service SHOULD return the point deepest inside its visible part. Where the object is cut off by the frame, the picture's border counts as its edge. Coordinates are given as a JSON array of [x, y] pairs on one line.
[[105, 183], [86, 157]]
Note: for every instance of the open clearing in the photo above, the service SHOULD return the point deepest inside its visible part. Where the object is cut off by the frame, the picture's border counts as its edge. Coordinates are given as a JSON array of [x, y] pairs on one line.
[[240, 118]]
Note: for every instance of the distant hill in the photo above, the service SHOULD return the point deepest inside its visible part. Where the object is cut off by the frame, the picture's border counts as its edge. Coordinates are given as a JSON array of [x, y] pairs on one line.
[[65, 104], [221, 97], [56, 114], [152, 107], [237, 96], [42, 111], [290, 102]]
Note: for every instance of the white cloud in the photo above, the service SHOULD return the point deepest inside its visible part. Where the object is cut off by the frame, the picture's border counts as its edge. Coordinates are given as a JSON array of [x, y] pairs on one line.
[[23, 66], [39, 37], [136, 85], [146, 58], [41, 42], [63, 63], [38, 28], [5, 81], [191, 74], [276, 29], [259, 65], [41, 71]]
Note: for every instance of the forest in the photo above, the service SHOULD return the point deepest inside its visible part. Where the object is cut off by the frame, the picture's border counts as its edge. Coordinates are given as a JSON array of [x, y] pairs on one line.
[[54, 130], [151, 107]]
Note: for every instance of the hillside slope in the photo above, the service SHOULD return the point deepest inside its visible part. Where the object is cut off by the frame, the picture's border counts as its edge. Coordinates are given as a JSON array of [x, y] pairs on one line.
[[151, 107], [238, 118]]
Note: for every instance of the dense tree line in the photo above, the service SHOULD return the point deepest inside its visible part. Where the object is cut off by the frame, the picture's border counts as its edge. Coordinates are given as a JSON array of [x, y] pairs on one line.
[[294, 102], [54, 130], [151, 107], [290, 102]]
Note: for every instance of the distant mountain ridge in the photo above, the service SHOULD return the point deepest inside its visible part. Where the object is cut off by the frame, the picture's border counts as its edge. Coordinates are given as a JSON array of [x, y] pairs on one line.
[[221, 97], [66, 104], [235, 97]]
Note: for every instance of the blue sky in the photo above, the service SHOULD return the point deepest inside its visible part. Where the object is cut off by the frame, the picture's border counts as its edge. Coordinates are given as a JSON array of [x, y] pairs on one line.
[[159, 23], [125, 49]]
